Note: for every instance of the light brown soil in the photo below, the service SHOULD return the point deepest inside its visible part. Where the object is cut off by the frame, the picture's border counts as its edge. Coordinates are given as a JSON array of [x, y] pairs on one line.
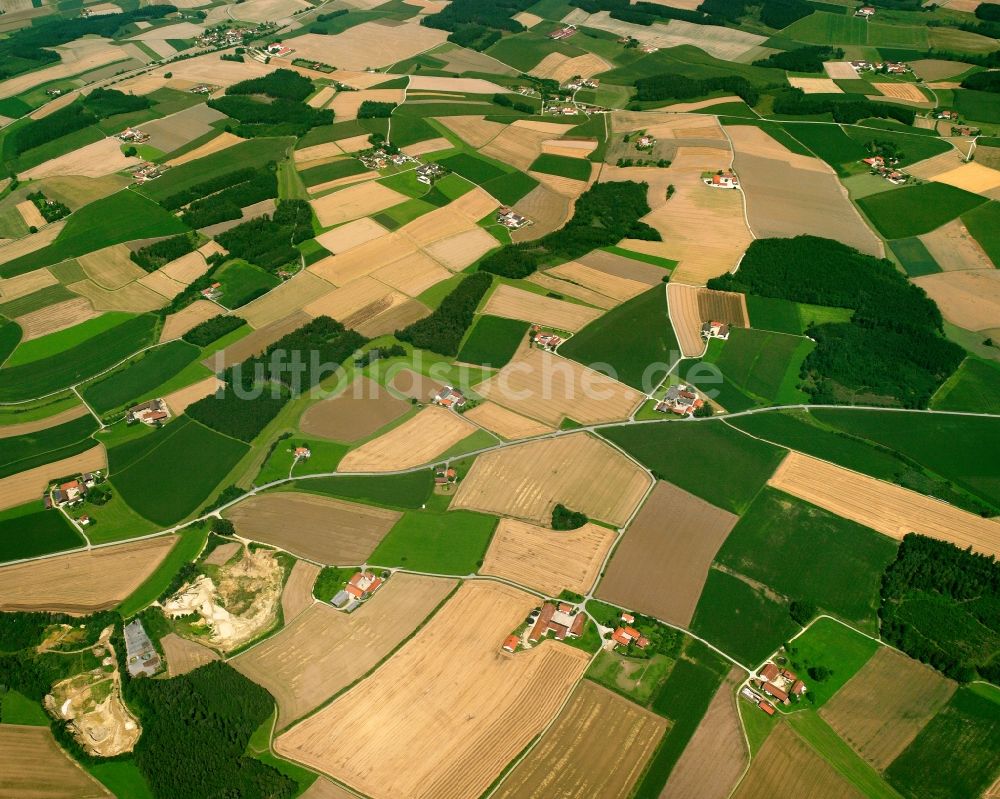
[[183, 655], [177, 324], [28, 486], [218, 144], [255, 342], [516, 146], [613, 286], [292, 295], [954, 248], [82, 582], [662, 562], [937, 69], [179, 400], [816, 85], [95, 160], [370, 44], [560, 68], [298, 595], [458, 251], [384, 736], [32, 766], [354, 202], [545, 208], [548, 560], [598, 746], [527, 480], [346, 104], [568, 289], [506, 423], [186, 268], [363, 408], [30, 214], [23, 428], [969, 299], [880, 710], [686, 318], [324, 650], [975, 177], [549, 388], [363, 259], [515, 303], [355, 302], [901, 91], [787, 766], [351, 235], [624, 267], [324, 789], [161, 284], [326, 530], [425, 147], [222, 553], [885, 507], [55, 317], [400, 315], [414, 385], [133, 297], [28, 244], [476, 131], [413, 274], [416, 441], [28, 283], [716, 755]]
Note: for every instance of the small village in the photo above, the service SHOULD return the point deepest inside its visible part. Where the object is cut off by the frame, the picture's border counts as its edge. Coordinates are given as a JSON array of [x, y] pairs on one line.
[[773, 684]]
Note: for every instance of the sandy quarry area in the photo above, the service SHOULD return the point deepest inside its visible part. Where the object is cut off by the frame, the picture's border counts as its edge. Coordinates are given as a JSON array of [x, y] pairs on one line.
[[527, 480], [324, 650], [885, 507], [969, 299], [549, 388], [417, 440], [237, 606], [384, 738], [548, 560], [27, 486], [82, 582]]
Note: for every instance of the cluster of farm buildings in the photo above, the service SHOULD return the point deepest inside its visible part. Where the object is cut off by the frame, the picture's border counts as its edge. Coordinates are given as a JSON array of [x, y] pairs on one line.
[[882, 167], [562, 620], [777, 683], [72, 492], [360, 587]]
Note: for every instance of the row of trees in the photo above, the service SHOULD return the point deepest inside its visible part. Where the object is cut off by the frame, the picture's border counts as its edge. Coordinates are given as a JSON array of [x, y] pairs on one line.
[[203, 334], [802, 59], [227, 204], [644, 13], [846, 109], [671, 86], [282, 83], [443, 330], [153, 256], [206, 187]]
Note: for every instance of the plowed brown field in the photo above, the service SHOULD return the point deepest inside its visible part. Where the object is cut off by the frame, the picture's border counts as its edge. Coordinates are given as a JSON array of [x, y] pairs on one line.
[[363, 408], [505, 423], [32, 766], [183, 655], [297, 594]]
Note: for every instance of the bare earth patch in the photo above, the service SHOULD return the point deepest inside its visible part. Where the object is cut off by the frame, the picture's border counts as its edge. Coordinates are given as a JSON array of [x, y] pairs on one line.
[[506, 423], [515, 303], [33, 766], [93, 160], [179, 400], [27, 486], [363, 408], [815, 85], [177, 324], [298, 592], [183, 655], [969, 299], [954, 248]]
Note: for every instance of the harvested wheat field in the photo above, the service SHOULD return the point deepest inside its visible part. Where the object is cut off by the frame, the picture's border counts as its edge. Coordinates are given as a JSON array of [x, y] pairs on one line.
[[623, 266], [885, 507], [95, 160], [370, 44], [900, 91], [548, 560], [322, 97], [515, 303], [567, 187], [954, 248], [357, 302], [527, 480], [973, 177], [323, 188], [23, 428], [326, 530], [930, 168], [416, 441], [661, 564], [428, 146], [397, 316], [55, 317], [475, 131], [218, 144], [325, 789], [324, 650], [716, 755], [786, 766], [969, 299], [458, 251], [703, 229], [177, 324], [517, 146], [363, 259], [363, 408], [33, 766], [561, 68], [223, 553], [30, 214], [297, 594], [938, 69], [351, 235], [568, 289], [691, 307], [546, 387], [82, 582], [598, 746], [840, 70], [354, 202], [185, 269], [183, 655], [815, 85], [179, 400], [111, 267], [788, 194], [293, 295], [414, 385], [613, 286], [157, 281], [28, 486], [412, 274], [547, 210], [505, 423], [456, 217], [384, 737], [880, 710], [255, 342], [21, 285], [132, 297], [346, 104], [27, 244]]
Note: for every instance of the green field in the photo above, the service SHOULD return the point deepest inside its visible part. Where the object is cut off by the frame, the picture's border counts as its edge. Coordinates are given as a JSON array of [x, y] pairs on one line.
[[332, 171], [511, 187], [26, 451], [16, 708], [251, 153], [822, 27], [76, 363], [471, 167], [440, 543], [829, 142], [184, 551], [123, 778], [525, 50], [720, 464], [970, 725], [913, 210], [785, 316], [910, 147], [739, 619], [765, 364], [633, 343], [131, 383], [975, 388], [10, 337], [194, 457], [123, 216], [55, 343], [984, 225], [404, 491], [977, 106], [50, 532], [914, 256], [493, 341], [243, 282], [706, 377], [563, 166], [39, 409], [37, 300], [829, 644], [806, 553]]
